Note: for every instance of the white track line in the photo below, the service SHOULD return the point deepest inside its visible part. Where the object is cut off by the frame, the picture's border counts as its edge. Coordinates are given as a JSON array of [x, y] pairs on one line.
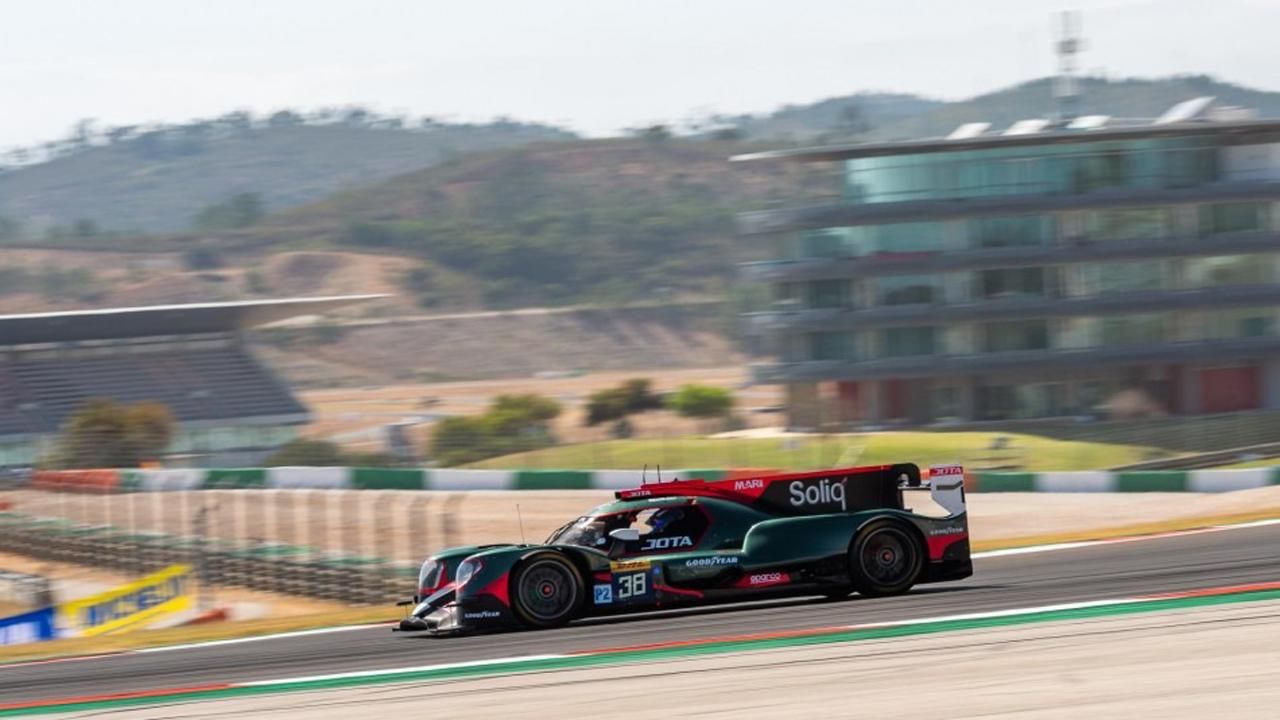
[[396, 671], [258, 638], [1127, 539]]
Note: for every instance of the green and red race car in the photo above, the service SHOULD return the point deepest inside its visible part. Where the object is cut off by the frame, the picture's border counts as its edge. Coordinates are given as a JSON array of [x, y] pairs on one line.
[[684, 542]]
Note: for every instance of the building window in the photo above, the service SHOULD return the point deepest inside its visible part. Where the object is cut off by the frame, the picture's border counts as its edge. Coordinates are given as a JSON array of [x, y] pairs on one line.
[[1011, 282], [910, 289], [825, 243], [1016, 335], [907, 342], [1133, 330], [1230, 270], [1234, 217], [1228, 324], [1101, 278], [946, 402], [1128, 224], [1016, 231], [829, 294], [890, 238], [830, 346]]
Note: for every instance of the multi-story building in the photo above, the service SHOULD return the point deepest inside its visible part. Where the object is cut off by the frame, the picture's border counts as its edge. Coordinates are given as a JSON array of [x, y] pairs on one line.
[[1041, 271]]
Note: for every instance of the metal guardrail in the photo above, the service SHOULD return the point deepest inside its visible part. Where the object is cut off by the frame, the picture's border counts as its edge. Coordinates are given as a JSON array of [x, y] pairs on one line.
[[268, 567]]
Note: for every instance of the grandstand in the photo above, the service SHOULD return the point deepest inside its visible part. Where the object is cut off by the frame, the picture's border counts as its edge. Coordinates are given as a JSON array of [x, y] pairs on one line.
[[230, 408]]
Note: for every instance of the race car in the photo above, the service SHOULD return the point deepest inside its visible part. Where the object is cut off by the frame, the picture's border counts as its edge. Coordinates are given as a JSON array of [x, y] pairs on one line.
[[686, 542]]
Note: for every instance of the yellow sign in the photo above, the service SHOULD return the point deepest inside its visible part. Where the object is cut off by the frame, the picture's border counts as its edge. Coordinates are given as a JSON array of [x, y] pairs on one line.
[[162, 592], [622, 565]]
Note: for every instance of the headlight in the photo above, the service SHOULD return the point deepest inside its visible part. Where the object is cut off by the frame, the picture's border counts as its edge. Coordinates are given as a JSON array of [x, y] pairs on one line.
[[429, 576], [466, 571]]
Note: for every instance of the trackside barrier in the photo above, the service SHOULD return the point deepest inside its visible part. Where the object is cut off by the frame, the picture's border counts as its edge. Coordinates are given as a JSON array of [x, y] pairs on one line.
[[28, 627], [1202, 481], [343, 478], [129, 606]]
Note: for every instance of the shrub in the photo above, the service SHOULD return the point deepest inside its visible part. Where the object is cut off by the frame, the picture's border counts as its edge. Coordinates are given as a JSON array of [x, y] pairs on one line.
[[701, 401]]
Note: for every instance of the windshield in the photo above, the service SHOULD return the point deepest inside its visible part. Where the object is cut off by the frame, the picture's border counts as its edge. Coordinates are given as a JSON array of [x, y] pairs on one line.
[[591, 530]]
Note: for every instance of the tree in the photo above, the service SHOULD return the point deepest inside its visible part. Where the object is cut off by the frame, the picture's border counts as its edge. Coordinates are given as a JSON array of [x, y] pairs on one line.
[[238, 211], [85, 228], [284, 118], [148, 429], [105, 434], [701, 401], [632, 396], [201, 257], [512, 424]]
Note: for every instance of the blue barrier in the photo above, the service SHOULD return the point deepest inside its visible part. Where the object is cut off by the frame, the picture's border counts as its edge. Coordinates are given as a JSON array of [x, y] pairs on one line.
[[27, 627]]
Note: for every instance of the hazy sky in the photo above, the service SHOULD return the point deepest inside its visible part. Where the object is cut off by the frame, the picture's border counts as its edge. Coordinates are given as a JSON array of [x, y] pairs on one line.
[[594, 65]]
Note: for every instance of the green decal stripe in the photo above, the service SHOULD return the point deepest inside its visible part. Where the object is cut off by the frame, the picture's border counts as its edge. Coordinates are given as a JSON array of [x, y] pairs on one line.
[[387, 479], [673, 652], [1003, 482], [1152, 481], [552, 480]]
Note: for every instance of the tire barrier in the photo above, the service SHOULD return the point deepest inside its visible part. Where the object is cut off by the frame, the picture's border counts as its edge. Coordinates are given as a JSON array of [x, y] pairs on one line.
[[343, 478]]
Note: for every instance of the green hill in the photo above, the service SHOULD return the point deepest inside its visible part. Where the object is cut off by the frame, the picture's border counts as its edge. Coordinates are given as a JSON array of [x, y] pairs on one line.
[[159, 180], [555, 223]]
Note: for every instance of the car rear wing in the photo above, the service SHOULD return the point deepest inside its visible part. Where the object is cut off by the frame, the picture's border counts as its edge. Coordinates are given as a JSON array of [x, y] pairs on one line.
[[945, 484]]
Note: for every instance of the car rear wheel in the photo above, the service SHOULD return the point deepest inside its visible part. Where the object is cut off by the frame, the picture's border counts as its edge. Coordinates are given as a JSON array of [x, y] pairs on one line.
[[546, 591], [885, 559]]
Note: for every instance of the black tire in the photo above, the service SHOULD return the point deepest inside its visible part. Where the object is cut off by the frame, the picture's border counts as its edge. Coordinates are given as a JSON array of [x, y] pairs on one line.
[[884, 559], [546, 591]]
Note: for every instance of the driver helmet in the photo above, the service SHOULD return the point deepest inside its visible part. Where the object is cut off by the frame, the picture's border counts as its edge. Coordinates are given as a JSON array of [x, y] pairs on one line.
[[663, 518]]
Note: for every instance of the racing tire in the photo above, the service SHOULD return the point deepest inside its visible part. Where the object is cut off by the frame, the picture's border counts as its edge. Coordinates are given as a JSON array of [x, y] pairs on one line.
[[884, 559], [547, 591]]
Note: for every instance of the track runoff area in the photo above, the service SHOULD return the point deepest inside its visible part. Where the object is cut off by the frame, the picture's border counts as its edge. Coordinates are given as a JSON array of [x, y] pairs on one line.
[[1115, 584]]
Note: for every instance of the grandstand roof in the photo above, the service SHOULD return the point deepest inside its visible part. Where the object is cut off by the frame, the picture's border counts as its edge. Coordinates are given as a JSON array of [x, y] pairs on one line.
[[135, 322]]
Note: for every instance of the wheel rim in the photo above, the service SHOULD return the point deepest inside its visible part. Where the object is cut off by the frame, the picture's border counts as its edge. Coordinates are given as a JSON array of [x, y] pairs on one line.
[[547, 591], [887, 557]]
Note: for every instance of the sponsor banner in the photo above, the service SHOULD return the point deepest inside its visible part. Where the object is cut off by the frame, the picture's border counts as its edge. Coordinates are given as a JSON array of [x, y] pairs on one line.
[[28, 627], [449, 479], [1151, 481], [322, 478], [1228, 480], [154, 480], [232, 478], [388, 479], [76, 480], [128, 606], [1002, 482], [553, 480], [1097, 481]]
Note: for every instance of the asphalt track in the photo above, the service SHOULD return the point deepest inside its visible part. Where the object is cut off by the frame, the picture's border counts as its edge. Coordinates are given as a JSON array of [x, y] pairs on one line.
[[1162, 565]]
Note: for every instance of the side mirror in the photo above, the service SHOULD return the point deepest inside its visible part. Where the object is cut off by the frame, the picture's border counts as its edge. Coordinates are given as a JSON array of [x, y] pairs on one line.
[[625, 534]]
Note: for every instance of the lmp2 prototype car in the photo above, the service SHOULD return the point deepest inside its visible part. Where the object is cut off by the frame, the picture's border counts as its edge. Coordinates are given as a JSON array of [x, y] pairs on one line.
[[686, 542]]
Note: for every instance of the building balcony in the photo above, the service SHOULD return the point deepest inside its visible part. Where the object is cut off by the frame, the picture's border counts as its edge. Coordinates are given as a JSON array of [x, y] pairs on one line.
[[923, 366], [1020, 307], [840, 214], [1079, 250]]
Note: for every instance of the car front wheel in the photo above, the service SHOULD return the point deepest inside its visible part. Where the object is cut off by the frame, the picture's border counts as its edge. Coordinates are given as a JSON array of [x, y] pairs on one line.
[[546, 591]]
